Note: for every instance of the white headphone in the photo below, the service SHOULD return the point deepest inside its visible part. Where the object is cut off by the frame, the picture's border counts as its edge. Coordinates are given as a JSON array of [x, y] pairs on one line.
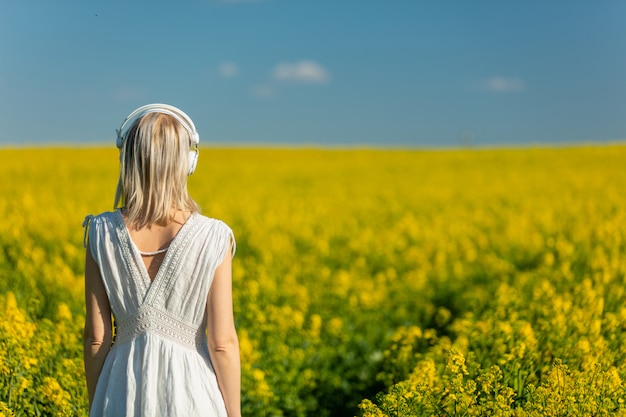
[[177, 114]]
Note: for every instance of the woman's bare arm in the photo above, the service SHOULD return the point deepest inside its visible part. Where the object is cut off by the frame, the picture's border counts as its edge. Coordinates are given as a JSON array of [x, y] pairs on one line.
[[222, 337], [98, 330]]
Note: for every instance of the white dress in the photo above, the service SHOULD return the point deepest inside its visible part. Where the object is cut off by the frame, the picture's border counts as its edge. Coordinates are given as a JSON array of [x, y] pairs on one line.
[[159, 363]]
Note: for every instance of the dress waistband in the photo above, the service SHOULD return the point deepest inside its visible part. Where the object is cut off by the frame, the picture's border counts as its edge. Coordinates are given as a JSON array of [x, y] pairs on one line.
[[151, 320]]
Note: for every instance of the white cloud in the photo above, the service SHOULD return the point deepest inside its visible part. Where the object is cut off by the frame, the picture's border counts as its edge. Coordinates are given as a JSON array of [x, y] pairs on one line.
[[228, 69], [302, 71], [504, 84]]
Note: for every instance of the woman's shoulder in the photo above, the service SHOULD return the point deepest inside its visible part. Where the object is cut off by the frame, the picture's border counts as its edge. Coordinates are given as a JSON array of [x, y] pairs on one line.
[[212, 222], [218, 232], [104, 217], [99, 223]]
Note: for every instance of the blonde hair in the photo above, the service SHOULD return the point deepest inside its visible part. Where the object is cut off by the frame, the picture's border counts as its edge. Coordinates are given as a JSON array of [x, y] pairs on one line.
[[154, 164]]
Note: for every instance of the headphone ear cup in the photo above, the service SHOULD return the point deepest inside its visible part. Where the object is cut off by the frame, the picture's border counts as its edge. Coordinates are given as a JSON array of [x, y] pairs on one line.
[[195, 138], [193, 161]]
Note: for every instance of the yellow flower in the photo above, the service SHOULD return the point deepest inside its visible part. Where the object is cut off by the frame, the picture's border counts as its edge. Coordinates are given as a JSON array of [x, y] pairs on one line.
[[456, 362], [55, 396], [64, 313], [335, 326]]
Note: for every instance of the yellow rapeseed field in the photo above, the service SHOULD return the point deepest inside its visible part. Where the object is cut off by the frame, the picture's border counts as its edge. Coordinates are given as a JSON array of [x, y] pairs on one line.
[[367, 282]]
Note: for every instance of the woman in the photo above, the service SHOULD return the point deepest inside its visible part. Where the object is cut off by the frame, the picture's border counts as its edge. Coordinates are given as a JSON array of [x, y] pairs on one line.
[[164, 272]]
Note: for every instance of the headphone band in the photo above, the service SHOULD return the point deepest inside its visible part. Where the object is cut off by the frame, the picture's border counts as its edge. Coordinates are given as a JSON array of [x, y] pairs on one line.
[[176, 113]]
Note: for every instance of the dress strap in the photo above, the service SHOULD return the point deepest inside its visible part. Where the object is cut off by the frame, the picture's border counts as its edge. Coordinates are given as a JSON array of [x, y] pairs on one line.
[[86, 225]]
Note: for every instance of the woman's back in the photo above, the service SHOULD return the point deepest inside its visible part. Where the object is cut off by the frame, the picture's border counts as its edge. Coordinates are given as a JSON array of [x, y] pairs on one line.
[[154, 241], [159, 364]]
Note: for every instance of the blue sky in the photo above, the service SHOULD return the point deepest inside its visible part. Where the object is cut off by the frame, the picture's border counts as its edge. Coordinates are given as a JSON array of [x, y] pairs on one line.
[[328, 73]]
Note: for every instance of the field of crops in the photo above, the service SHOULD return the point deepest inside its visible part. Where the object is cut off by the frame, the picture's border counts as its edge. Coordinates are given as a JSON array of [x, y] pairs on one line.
[[367, 282]]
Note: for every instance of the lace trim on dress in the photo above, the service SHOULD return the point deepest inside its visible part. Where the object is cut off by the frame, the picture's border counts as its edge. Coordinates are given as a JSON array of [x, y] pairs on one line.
[[172, 260], [151, 320], [127, 253]]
